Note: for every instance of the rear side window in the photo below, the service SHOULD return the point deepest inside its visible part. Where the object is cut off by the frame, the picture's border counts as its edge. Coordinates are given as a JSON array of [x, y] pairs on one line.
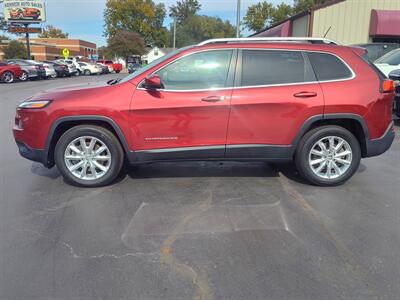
[[328, 67], [270, 67]]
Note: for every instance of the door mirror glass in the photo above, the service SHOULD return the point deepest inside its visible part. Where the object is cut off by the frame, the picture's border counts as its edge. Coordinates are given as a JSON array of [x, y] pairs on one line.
[[395, 75], [153, 82]]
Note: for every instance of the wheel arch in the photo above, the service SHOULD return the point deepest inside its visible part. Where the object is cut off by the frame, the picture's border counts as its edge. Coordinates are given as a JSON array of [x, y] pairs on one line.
[[352, 122], [61, 125]]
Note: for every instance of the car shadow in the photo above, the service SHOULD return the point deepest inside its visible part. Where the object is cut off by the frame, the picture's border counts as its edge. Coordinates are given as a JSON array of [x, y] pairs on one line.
[[202, 169]]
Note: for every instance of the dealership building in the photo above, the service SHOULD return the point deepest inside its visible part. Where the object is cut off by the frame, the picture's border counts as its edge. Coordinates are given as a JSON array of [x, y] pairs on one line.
[[345, 21], [51, 49]]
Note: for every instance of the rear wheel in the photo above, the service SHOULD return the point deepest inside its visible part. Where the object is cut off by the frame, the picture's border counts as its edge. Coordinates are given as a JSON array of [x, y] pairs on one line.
[[89, 156], [87, 72], [117, 72], [24, 76], [328, 155], [7, 77]]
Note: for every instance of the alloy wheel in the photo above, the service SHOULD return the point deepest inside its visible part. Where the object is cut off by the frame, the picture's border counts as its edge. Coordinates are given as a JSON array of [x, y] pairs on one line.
[[330, 157], [8, 77], [87, 158]]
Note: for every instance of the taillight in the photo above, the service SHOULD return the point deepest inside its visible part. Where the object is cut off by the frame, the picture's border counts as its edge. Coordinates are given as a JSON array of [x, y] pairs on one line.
[[388, 86]]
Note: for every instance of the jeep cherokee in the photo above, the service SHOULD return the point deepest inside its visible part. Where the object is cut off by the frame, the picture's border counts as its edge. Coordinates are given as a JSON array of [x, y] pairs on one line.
[[322, 105]]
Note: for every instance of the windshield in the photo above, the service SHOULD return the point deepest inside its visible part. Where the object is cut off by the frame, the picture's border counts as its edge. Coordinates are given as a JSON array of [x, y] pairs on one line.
[[391, 58], [152, 64]]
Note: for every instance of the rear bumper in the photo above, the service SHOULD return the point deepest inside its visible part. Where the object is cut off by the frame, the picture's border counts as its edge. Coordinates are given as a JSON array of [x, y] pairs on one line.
[[379, 146]]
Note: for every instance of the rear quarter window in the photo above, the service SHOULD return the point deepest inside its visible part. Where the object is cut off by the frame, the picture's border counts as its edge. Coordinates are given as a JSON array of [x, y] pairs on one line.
[[328, 67]]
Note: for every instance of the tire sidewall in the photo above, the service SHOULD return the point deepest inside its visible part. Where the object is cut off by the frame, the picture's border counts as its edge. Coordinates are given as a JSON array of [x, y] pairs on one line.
[[117, 155], [308, 141]]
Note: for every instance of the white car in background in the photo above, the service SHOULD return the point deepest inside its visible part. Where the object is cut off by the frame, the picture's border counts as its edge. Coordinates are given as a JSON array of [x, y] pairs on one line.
[[89, 69], [389, 62]]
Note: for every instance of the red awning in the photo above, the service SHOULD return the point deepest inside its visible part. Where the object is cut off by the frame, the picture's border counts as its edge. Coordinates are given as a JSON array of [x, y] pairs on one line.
[[282, 30], [385, 22]]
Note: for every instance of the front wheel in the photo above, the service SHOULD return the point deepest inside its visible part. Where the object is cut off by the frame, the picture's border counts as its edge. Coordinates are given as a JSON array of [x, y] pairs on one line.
[[7, 77], [328, 155], [89, 156], [87, 72]]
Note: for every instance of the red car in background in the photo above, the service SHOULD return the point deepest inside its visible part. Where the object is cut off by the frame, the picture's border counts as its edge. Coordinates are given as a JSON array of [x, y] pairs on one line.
[[8, 73], [116, 66]]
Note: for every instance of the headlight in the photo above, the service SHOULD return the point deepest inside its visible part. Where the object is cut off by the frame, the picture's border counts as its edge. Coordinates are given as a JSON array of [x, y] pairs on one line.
[[34, 104]]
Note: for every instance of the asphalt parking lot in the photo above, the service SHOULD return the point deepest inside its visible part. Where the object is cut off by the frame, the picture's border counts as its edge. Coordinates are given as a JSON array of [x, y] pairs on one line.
[[197, 230]]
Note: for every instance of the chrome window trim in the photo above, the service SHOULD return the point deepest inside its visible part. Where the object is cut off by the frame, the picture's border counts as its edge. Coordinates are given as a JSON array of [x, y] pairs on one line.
[[353, 74]]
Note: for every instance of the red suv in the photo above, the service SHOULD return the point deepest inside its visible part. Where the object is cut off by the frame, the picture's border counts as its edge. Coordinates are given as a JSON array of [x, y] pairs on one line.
[[322, 105]]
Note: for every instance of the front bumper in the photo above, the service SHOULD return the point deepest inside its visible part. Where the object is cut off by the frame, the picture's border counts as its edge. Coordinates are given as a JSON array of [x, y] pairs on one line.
[[36, 155], [381, 145]]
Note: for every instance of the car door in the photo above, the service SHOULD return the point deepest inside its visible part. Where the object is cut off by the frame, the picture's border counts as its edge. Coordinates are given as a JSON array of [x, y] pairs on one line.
[[275, 93], [188, 117]]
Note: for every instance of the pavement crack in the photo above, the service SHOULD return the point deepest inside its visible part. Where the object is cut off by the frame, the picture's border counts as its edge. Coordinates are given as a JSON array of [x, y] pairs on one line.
[[75, 255], [203, 290]]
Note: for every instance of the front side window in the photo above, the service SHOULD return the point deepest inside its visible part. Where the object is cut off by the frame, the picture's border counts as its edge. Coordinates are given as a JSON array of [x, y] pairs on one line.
[[271, 67], [328, 67], [198, 71]]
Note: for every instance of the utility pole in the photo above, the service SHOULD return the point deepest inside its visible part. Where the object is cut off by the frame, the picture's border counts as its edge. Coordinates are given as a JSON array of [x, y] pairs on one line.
[[174, 43], [28, 45], [238, 19]]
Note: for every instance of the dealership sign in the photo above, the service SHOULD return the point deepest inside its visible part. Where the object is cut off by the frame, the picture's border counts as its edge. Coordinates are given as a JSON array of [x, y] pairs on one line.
[[18, 29], [32, 11]]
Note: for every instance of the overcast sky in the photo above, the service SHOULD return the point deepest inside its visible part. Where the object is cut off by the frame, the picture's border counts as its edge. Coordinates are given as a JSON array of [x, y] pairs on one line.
[[84, 18]]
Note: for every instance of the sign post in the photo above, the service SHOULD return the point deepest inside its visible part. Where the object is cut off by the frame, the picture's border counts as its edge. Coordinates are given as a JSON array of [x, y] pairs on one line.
[[28, 44], [66, 53]]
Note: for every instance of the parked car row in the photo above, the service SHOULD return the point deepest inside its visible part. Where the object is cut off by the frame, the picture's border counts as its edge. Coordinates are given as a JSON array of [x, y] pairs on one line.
[[19, 69]]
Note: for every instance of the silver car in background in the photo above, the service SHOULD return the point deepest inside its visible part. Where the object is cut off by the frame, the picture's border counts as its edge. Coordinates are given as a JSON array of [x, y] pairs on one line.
[[30, 69]]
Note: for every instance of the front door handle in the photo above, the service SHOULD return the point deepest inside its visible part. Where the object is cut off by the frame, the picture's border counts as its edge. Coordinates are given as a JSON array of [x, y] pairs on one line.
[[305, 95], [213, 99]]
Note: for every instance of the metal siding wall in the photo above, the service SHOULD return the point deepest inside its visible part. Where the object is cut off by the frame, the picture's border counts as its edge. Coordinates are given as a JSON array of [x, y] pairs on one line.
[[300, 26], [349, 19]]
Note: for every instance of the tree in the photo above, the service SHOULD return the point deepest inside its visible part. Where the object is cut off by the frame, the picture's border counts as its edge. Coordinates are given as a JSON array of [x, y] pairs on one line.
[[141, 16], [53, 32], [258, 16], [184, 9], [124, 43], [303, 5], [281, 13], [199, 28], [15, 49]]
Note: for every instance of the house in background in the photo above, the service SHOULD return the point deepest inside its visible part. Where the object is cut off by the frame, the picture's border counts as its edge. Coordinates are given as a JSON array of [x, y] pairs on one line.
[[155, 53]]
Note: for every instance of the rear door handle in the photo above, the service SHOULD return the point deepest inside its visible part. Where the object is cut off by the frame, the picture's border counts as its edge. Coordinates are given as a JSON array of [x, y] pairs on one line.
[[305, 95], [213, 99]]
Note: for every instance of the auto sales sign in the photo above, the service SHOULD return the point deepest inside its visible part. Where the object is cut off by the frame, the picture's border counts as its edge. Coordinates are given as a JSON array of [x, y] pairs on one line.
[[32, 11]]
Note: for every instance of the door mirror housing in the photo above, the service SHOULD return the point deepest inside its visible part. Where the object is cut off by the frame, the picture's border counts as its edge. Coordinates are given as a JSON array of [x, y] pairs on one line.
[[153, 82], [395, 75]]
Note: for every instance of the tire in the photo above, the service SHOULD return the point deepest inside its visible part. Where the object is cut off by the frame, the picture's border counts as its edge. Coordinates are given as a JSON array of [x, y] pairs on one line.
[[24, 76], [346, 165], [7, 77], [87, 72], [117, 72], [112, 156]]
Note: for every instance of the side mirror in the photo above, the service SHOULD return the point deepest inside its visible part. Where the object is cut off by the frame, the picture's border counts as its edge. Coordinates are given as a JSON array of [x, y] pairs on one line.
[[394, 75], [153, 82]]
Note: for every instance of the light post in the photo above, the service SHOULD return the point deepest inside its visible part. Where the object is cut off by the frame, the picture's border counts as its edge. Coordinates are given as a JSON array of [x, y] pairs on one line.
[[238, 19]]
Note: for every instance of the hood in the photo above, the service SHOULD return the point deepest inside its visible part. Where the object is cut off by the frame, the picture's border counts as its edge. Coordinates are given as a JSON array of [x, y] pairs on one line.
[[78, 91]]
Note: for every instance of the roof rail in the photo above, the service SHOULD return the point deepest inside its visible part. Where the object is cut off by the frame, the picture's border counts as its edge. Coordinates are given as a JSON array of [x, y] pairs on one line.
[[311, 40]]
